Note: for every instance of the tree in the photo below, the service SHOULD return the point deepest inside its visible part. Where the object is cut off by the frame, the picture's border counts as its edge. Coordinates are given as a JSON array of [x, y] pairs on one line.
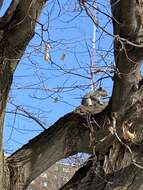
[[113, 135]]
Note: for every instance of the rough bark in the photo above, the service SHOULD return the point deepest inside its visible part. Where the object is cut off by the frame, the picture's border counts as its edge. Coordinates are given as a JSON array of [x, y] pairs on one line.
[[16, 30], [68, 136], [128, 178], [128, 47], [121, 167]]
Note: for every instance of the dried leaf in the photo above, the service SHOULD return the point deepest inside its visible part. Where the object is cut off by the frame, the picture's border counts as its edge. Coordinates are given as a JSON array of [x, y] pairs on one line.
[[62, 57], [47, 55]]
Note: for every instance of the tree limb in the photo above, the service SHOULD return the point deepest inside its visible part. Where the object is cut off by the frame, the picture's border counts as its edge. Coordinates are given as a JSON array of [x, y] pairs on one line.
[[127, 56], [68, 136], [15, 35], [129, 178]]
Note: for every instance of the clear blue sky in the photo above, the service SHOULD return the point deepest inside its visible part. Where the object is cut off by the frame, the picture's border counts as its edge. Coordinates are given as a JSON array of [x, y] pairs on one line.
[[36, 80]]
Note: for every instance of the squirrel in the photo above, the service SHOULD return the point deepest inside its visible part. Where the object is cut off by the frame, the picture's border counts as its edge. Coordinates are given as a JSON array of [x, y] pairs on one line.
[[92, 102], [94, 97]]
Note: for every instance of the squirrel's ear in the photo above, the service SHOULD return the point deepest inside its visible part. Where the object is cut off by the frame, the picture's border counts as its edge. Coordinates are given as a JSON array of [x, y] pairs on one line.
[[100, 88]]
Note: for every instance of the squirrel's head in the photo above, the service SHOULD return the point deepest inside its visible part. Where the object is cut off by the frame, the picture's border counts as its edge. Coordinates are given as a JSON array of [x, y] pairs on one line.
[[102, 92]]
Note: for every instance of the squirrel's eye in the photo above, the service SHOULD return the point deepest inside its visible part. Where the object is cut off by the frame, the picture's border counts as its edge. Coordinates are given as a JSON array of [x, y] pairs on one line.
[[100, 88]]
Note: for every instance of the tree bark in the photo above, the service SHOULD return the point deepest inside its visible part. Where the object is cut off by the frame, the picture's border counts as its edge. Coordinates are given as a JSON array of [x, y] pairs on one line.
[[121, 166], [16, 30], [63, 139], [68, 136]]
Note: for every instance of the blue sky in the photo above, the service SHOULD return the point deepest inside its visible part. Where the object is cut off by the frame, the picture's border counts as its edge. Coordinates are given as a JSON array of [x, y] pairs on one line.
[[50, 90]]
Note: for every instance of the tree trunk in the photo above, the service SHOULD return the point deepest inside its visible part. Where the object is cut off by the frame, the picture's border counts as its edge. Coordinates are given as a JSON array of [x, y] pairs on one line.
[[6, 80], [120, 167], [1, 151], [16, 29]]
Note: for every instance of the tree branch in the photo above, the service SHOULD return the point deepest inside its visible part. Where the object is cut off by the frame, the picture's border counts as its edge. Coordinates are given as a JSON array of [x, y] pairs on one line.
[[124, 17], [19, 29], [87, 178], [126, 24], [68, 136]]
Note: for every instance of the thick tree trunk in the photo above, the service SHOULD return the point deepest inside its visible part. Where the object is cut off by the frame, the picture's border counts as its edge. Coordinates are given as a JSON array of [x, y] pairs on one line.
[[16, 29], [120, 167], [1, 150], [5, 83]]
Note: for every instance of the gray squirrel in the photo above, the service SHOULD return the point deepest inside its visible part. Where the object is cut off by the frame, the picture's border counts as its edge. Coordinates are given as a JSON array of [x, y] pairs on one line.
[[94, 97]]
